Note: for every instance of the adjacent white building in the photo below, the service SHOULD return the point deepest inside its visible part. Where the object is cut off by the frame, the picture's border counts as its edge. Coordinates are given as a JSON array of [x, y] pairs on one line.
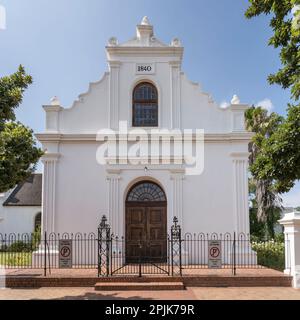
[[20, 208], [143, 96]]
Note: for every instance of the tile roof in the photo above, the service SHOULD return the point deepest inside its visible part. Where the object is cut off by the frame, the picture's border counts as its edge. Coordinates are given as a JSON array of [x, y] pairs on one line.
[[27, 193]]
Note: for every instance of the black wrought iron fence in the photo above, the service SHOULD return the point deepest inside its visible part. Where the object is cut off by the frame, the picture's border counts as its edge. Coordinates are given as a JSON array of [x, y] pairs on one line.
[[237, 251], [29, 251], [109, 253]]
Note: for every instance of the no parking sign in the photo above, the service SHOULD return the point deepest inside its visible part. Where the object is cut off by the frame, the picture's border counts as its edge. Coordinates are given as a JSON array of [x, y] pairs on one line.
[[65, 254], [214, 254]]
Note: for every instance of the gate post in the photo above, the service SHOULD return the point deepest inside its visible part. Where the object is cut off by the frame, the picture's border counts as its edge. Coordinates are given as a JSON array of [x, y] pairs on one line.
[[45, 257], [104, 240], [234, 255], [176, 247], [291, 223]]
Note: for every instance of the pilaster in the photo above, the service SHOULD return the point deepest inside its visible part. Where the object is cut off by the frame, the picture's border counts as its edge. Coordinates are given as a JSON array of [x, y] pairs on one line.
[[177, 178], [175, 67], [114, 217], [114, 67], [49, 192], [240, 192]]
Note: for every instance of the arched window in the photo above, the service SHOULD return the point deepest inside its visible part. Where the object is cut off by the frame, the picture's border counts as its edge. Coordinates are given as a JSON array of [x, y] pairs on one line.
[[146, 191], [145, 105]]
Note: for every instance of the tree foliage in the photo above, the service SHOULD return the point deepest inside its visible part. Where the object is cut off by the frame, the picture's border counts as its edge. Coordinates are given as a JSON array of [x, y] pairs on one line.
[[279, 156], [11, 94], [266, 204], [286, 36], [18, 151]]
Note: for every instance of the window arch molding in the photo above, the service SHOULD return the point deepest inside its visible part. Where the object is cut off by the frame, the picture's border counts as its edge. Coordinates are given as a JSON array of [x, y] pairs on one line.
[[137, 82], [146, 191]]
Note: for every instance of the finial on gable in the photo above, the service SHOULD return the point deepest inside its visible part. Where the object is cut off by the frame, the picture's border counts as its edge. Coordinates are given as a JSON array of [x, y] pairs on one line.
[[113, 41], [144, 32], [55, 101], [145, 21], [235, 100], [176, 42]]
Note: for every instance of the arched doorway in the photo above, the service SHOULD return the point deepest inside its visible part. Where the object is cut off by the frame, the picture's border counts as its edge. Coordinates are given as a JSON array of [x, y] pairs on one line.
[[146, 223]]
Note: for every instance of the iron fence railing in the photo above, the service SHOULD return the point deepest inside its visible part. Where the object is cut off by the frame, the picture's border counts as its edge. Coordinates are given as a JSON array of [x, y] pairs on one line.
[[32, 251], [238, 251], [109, 253]]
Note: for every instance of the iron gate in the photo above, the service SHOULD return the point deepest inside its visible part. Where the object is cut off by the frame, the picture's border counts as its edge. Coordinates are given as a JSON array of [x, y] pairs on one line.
[[112, 259]]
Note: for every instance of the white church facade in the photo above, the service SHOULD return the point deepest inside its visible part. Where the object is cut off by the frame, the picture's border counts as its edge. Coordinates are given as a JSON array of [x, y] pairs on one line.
[[98, 158]]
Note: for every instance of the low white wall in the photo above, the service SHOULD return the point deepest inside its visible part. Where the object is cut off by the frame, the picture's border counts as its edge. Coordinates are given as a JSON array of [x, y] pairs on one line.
[[18, 219]]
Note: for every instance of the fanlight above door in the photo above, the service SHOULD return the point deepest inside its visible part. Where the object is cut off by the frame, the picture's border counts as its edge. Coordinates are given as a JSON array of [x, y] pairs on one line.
[[146, 191]]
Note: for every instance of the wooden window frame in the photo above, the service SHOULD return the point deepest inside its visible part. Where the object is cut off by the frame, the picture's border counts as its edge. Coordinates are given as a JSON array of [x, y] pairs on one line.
[[144, 102]]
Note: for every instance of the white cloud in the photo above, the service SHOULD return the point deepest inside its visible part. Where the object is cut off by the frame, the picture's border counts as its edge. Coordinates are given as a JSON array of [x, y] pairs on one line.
[[266, 104], [224, 105]]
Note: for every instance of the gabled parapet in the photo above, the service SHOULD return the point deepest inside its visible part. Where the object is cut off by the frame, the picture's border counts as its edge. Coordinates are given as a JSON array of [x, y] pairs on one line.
[[144, 44]]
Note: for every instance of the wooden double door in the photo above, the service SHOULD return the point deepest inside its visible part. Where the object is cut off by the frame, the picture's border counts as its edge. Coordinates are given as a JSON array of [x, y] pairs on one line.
[[146, 232]]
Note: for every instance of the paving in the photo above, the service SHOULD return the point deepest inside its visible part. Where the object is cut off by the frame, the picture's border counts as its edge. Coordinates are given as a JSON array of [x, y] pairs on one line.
[[92, 273], [252, 293], [202, 277]]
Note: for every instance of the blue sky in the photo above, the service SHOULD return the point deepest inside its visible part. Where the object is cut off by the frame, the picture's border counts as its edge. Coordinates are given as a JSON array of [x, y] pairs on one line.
[[61, 44]]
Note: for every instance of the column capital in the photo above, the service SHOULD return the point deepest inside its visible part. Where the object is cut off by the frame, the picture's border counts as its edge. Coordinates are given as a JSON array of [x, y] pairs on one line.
[[177, 174], [175, 64], [114, 64], [113, 177], [50, 157], [240, 155], [113, 174]]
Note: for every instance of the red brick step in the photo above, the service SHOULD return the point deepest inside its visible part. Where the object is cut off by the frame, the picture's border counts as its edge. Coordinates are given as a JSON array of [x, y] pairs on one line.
[[147, 286]]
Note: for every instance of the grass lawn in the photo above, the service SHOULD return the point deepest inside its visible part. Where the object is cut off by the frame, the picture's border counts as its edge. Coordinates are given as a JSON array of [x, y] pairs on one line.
[[15, 259]]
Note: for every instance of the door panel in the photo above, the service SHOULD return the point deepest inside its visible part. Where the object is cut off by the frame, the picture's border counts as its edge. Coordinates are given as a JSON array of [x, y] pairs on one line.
[[135, 233], [157, 234], [146, 232]]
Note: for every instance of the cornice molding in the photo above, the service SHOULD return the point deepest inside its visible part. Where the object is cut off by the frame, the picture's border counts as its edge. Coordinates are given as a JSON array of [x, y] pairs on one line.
[[119, 168], [133, 51], [208, 137]]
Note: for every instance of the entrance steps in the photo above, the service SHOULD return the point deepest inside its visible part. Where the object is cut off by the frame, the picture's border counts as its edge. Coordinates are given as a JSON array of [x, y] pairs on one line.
[[88, 278], [138, 286]]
